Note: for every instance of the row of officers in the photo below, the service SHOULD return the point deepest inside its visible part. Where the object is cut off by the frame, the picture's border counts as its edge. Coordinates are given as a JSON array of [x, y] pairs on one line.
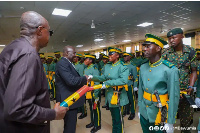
[[160, 77]]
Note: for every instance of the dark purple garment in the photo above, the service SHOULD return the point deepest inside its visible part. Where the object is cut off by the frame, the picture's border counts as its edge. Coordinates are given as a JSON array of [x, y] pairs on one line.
[[24, 97]]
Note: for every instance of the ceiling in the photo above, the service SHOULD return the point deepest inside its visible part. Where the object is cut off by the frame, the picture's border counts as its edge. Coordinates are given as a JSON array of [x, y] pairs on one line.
[[115, 21]]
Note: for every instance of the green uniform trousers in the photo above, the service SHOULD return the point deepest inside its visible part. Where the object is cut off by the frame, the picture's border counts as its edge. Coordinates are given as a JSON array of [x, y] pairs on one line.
[[117, 125], [95, 114], [149, 127], [131, 99]]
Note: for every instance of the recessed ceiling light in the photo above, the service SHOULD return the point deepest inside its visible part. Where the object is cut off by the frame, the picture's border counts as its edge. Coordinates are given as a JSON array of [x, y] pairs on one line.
[[126, 40], [61, 12], [86, 50], [102, 46], [2, 45], [79, 46], [145, 24], [97, 40]]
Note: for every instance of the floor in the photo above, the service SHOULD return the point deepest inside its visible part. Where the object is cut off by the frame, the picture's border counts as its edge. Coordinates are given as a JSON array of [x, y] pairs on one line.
[[130, 126]]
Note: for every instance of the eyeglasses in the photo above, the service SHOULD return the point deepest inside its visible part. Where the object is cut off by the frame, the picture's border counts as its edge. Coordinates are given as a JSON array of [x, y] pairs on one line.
[[50, 31]]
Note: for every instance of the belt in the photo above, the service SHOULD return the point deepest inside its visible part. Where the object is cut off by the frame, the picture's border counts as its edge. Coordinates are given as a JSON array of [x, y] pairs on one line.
[[152, 97]]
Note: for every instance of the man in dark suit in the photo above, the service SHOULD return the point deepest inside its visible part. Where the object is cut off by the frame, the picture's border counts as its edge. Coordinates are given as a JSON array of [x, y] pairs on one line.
[[69, 81]]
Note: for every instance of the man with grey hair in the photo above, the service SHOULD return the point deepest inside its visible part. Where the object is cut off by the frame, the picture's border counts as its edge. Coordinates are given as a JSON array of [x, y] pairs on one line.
[[24, 97]]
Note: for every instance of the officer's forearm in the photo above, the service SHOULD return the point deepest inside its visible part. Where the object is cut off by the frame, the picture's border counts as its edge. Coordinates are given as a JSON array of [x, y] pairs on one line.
[[193, 77]]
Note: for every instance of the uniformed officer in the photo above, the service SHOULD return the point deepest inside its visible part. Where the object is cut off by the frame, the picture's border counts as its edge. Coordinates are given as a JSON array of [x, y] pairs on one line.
[[184, 58], [100, 61], [51, 76], [93, 97], [105, 60], [162, 76], [57, 55], [132, 83], [115, 77], [80, 66]]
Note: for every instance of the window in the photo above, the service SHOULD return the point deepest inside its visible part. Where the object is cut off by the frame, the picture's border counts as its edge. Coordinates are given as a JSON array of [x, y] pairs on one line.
[[128, 49], [187, 41]]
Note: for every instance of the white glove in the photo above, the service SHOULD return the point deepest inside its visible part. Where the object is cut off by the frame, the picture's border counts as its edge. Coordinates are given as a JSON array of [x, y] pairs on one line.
[[90, 76], [139, 115], [103, 86], [197, 101], [135, 89], [169, 128]]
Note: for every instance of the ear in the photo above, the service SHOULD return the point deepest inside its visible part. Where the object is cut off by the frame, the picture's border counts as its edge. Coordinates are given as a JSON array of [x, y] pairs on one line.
[[158, 49], [39, 31]]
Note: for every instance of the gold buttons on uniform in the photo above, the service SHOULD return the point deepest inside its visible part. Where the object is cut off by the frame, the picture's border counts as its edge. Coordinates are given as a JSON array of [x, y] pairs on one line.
[[147, 89], [110, 68], [148, 79], [109, 74], [149, 70], [147, 106]]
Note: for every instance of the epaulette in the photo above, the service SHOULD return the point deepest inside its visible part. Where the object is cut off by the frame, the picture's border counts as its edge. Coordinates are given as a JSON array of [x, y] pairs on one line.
[[121, 62], [145, 61], [168, 64]]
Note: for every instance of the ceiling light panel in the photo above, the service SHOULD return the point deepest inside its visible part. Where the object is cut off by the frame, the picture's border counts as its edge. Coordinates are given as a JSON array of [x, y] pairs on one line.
[[61, 12], [79, 46], [145, 24]]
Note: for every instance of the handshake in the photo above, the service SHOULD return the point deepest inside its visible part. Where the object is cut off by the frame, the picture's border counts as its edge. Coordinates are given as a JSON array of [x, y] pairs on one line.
[[89, 77]]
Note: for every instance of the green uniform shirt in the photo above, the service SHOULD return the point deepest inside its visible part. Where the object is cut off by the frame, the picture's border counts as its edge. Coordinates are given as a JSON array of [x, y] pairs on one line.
[[115, 75], [100, 65], [133, 73], [163, 77], [178, 60], [79, 68], [92, 70], [52, 66]]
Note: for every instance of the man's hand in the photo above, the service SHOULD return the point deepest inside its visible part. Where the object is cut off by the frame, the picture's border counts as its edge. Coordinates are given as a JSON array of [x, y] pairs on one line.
[[197, 101], [60, 111], [103, 86], [189, 91], [135, 89]]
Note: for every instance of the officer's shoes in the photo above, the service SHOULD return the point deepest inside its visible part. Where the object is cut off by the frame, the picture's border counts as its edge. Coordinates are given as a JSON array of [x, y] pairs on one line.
[[89, 125], [104, 106], [107, 108], [95, 129], [82, 116], [131, 117]]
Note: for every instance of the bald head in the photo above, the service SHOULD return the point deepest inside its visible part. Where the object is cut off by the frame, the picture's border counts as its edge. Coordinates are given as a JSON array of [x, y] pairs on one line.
[[69, 52], [29, 21]]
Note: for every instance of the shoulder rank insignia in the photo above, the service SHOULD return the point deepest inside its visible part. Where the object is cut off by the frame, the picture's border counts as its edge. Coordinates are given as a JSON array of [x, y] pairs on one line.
[[167, 63]]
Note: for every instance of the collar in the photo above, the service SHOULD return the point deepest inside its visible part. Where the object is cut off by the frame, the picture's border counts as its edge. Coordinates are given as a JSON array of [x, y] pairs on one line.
[[117, 63], [90, 66], [157, 63]]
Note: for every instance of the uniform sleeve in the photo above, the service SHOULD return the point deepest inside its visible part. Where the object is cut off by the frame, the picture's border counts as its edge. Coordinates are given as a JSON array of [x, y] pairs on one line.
[[21, 92], [123, 77], [174, 94], [140, 90], [194, 62], [99, 78], [134, 71]]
